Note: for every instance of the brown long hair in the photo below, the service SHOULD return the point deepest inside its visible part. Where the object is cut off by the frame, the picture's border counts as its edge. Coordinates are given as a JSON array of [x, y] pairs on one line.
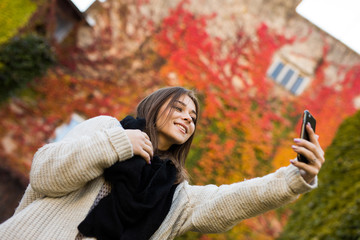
[[149, 109]]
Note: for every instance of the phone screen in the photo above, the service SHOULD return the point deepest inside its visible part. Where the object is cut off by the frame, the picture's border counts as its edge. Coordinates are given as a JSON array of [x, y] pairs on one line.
[[307, 118]]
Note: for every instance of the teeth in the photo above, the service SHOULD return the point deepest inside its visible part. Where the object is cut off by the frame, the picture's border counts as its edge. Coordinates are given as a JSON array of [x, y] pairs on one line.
[[184, 129]]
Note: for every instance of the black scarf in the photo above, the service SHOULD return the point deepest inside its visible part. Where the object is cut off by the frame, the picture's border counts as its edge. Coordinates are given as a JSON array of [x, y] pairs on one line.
[[140, 197]]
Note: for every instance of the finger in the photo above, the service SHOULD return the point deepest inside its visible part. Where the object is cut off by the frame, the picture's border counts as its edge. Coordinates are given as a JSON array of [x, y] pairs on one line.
[[310, 170], [319, 161], [149, 149], [145, 155], [306, 167], [306, 144], [310, 156], [145, 135], [149, 143], [313, 148], [321, 151], [313, 137]]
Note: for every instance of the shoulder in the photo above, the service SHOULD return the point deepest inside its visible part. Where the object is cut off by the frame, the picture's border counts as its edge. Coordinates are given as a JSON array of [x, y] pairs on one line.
[[182, 191], [91, 125], [100, 121]]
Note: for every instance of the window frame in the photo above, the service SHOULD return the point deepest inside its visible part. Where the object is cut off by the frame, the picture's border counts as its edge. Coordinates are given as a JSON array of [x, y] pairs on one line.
[[288, 76]]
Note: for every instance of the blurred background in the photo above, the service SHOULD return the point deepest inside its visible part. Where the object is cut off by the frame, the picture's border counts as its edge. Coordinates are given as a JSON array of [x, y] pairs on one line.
[[256, 65]]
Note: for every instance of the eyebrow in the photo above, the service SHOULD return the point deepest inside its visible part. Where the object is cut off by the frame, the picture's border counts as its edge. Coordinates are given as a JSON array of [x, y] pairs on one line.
[[182, 103]]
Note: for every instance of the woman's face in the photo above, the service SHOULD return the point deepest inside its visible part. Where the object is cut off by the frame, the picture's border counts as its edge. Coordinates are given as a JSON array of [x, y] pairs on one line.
[[176, 124]]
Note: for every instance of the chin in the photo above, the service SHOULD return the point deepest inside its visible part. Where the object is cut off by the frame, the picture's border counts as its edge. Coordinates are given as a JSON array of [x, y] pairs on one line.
[[182, 141]]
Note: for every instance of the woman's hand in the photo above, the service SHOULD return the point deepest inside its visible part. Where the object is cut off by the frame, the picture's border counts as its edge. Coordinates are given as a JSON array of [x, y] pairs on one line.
[[313, 153], [141, 144]]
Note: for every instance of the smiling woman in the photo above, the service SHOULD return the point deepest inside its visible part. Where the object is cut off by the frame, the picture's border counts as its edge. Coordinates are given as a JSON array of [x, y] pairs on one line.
[[176, 124], [126, 180]]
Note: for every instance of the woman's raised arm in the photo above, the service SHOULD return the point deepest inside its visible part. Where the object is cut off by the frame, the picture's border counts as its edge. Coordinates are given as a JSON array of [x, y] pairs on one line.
[[217, 209], [62, 167]]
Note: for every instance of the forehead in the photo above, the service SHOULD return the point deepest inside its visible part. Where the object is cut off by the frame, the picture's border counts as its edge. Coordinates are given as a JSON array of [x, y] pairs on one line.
[[184, 100], [187, 101]]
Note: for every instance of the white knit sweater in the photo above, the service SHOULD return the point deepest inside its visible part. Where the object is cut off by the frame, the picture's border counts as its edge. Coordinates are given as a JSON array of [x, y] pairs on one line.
[[66, 178]]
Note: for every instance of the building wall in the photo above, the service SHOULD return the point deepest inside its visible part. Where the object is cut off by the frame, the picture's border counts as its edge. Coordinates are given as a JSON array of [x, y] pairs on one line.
[[304, 54]]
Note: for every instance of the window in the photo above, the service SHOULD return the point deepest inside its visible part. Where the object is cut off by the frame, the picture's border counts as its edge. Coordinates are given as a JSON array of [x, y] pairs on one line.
[[63, 27], [277, 70], [288, 77]]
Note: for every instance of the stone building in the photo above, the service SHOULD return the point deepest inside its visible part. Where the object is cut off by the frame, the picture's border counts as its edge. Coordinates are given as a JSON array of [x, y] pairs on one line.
[[294, 65]]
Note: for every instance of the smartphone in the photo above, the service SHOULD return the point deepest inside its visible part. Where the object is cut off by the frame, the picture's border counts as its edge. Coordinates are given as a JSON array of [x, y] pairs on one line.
[[306, 118]]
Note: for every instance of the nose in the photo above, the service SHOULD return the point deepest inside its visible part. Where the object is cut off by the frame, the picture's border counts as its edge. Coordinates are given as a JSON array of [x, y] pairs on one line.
[[187, 117]]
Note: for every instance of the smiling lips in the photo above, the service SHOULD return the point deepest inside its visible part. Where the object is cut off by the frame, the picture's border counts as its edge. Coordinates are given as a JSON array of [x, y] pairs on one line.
[[182, 127]]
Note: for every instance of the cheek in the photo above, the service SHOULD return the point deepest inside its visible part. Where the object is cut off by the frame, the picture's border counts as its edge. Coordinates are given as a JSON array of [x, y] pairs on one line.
[[163, 120], [159, 122], [192, 129]]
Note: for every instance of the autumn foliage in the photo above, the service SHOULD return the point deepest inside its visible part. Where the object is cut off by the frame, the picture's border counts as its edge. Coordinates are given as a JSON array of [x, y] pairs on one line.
[[245, 129]]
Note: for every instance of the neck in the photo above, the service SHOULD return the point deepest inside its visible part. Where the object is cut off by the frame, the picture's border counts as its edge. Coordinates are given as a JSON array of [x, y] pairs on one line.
[[163, 154], [163, 145]]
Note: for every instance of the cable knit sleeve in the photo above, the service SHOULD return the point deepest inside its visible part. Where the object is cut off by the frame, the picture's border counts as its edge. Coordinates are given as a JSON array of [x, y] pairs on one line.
[[217, 209], [62, 167]]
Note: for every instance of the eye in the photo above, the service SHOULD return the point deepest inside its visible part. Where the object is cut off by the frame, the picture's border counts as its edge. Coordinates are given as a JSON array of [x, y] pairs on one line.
[[177, 108]]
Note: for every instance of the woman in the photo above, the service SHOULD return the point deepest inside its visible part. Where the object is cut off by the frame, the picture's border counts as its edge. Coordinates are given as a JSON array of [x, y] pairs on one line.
[[67, 178]]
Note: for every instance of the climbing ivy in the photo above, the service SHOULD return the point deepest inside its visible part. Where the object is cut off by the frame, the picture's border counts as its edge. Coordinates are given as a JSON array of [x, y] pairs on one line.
[[14, 14], [22, 60], [332, 212]]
